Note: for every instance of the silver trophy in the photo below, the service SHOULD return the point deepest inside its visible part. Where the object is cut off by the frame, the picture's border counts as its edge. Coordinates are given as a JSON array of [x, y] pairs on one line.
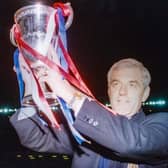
[[36, 24]]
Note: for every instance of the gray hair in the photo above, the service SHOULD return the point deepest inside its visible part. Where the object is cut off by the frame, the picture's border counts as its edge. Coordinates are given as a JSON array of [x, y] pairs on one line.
[[127, 63]]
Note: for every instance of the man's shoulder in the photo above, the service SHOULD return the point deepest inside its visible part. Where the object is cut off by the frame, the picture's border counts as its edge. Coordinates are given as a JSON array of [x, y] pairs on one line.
[[161, 117], [158, 114]]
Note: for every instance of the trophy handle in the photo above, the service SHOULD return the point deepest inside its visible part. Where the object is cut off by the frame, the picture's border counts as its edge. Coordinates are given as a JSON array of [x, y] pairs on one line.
[[12, 38], [70, 17]]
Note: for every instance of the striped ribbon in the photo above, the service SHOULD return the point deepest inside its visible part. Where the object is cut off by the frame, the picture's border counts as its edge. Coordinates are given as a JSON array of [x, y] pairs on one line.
[[66, 66]]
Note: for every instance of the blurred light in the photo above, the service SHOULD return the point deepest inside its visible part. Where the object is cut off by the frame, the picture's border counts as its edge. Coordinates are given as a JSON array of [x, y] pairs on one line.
[[18, 156], [31, 157], [54, 156], [40, 156], [155, 103], [7, 110], [65, 157], [107, 104]]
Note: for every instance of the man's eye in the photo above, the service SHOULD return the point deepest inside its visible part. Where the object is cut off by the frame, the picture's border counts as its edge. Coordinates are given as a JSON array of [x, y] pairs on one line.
[[115, 83], [133, 84]]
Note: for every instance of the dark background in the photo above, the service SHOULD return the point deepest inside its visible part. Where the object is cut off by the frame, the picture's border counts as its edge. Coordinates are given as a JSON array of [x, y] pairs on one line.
[[103, 31]]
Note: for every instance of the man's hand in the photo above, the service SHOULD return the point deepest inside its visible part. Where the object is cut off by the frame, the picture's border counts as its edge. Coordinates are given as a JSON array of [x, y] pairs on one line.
[[61, 88]]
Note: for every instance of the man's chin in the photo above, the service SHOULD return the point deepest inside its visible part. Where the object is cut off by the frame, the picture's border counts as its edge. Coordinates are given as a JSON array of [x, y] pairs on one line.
[[123, 112]]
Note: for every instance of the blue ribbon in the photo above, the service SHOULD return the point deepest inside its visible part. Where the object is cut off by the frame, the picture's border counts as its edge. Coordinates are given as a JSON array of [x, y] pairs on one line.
[[66, 110], [62, 34], [18, 74]]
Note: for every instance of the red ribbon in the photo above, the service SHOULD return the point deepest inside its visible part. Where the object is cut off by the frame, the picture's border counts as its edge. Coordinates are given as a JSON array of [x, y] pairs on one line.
[[75, 80], [64, 8]]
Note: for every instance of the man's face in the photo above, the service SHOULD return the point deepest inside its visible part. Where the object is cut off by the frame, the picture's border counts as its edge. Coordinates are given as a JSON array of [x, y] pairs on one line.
[[126, 91]]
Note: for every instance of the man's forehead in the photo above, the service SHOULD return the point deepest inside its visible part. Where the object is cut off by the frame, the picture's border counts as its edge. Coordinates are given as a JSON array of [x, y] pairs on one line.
[[132, 73], [126, 66]]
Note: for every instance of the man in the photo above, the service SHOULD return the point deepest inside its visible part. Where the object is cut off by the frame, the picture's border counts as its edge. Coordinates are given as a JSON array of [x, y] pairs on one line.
[[126, 139]]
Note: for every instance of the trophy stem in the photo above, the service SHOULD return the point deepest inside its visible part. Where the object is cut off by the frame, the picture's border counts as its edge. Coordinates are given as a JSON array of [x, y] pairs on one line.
[[28, 100]]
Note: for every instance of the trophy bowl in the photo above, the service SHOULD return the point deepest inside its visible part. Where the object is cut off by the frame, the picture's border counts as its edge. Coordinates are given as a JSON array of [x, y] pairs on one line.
[[37, 27], [32, 22]]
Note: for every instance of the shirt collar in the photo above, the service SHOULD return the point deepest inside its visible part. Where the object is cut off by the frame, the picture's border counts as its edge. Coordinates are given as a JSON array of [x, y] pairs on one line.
[[139, 116]]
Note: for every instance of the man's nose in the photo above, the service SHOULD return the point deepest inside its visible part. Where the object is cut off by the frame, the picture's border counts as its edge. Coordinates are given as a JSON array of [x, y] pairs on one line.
[[123, 90]]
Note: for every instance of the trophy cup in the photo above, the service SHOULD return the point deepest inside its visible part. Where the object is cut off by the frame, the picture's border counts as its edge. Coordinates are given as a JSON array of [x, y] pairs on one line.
[[37, 27]]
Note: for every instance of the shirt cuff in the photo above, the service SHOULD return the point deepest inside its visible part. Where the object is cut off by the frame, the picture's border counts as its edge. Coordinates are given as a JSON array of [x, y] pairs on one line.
[[26, 112]]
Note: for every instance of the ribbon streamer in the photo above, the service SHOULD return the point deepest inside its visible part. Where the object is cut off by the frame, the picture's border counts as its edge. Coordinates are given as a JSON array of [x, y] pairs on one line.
[[66, 65]]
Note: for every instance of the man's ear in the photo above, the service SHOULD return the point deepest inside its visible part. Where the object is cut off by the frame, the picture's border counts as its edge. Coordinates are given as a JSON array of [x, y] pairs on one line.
[[146, 94]]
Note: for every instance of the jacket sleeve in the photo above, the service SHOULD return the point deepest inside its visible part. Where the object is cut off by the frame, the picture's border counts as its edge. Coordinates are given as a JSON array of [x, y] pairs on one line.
[[123, 136], [39, 137]]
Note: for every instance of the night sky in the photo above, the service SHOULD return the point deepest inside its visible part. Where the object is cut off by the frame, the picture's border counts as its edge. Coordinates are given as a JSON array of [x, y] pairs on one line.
[[103, 31]]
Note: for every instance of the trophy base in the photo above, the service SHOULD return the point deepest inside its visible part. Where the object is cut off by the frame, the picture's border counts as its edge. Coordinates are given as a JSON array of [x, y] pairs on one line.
[[28, 100]]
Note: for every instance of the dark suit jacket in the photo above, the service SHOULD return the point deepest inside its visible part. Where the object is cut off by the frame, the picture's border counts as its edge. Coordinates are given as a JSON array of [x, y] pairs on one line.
[[143, 140]]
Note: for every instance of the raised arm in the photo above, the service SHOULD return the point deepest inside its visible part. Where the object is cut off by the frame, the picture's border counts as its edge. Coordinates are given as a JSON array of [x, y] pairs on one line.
[[123, 136]]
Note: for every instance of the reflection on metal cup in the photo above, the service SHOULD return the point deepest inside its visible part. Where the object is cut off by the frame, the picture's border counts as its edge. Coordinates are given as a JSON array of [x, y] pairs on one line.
[[33, 23], [37, 27]]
